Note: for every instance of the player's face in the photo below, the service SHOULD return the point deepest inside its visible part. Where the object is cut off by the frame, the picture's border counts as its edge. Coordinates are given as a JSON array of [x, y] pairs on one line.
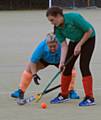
[[52, 46], [57, 20]]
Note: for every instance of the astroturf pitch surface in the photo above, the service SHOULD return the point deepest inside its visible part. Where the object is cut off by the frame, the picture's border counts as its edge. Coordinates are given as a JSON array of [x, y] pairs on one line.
[[20, 33]]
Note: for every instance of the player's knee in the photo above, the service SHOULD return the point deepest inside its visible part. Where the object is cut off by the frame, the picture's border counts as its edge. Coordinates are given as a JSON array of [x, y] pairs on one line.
[[28, 67]]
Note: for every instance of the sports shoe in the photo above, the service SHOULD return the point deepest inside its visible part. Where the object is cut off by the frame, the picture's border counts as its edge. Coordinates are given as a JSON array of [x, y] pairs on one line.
[[88, 101], [59, 99], [73, 95], [18, 94]]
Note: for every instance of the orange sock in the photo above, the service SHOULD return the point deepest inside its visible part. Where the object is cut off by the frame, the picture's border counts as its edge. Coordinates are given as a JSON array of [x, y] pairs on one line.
[[65, 82], [72, 83], [88, 86], [26, 79]]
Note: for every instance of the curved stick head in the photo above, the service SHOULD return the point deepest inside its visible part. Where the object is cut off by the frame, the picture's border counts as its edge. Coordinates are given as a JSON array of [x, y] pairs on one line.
[[38, 97], [20, 101]]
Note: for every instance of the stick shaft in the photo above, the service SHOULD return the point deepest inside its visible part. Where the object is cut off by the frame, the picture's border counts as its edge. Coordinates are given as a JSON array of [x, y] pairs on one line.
[[51, 89], [51, 81], [45, 91], [57, 74]]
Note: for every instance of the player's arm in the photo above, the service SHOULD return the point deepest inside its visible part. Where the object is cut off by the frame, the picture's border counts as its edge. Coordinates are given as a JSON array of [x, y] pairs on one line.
[[82, 41], [86, 28], [64, 49], [85, 36], [36, 56]]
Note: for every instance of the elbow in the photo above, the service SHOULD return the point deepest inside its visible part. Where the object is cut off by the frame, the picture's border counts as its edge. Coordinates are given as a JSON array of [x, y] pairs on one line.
[[90, 31]]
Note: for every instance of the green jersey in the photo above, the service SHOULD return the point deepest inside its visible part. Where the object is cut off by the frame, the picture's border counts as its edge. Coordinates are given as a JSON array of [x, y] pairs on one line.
[[74, 28]]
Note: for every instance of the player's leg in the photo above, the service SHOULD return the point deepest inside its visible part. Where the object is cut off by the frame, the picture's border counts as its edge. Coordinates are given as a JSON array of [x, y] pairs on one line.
[[66, 76], [26, 78], [87, 79], [72, 92]]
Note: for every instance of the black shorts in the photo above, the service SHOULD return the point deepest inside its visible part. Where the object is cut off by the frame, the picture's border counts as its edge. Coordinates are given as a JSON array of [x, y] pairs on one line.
[[85, 57], [46, 63]]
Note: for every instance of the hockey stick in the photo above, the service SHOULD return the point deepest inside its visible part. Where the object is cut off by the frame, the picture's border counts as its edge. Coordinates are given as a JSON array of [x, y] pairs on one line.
[[32, 98], [39, 96]]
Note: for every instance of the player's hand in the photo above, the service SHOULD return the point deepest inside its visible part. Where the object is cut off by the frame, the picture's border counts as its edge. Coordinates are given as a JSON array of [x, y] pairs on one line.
[[36, 79], [61, 66], [77, 50]]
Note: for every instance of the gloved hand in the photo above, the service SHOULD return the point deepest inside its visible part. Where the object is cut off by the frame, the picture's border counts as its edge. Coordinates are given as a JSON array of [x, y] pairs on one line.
[[36, 79]]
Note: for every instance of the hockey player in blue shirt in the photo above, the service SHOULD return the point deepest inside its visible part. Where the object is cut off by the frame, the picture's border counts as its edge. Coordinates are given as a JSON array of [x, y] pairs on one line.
[[47, 53]]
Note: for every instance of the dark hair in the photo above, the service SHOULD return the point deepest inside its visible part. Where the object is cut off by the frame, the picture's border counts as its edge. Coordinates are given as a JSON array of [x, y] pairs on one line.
[[54, 11]]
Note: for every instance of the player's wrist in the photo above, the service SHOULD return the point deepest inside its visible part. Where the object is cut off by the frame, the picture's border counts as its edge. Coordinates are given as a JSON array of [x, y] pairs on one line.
[[62, 62]]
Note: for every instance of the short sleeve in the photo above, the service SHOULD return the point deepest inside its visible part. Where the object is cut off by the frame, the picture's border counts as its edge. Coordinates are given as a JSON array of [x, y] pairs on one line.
[[37, 54], [82, 23]]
